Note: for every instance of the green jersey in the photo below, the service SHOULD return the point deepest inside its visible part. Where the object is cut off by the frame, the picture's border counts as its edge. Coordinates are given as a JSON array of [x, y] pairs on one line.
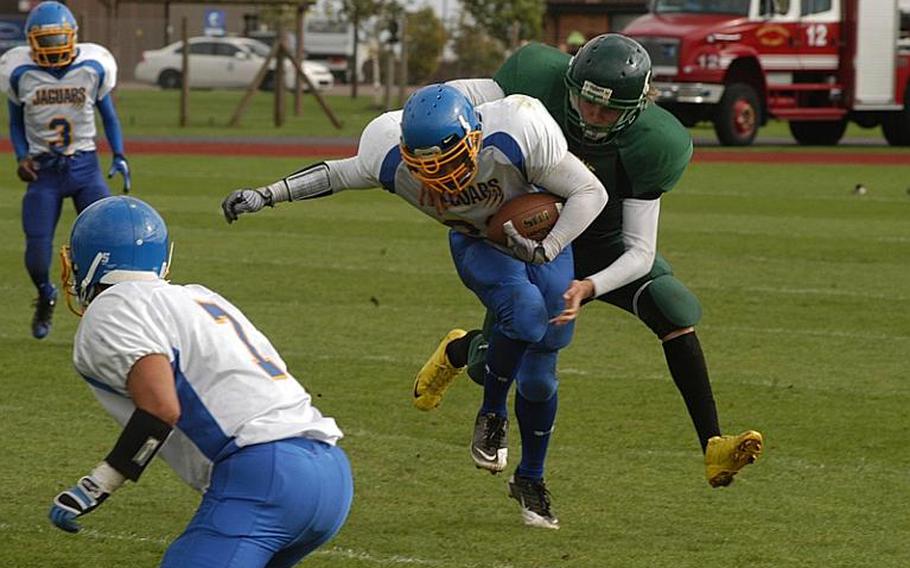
[[643, 161]]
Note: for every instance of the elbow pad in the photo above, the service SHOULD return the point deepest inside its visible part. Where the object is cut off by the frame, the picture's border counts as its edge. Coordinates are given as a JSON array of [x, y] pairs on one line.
[[309, 183], [141, 439]]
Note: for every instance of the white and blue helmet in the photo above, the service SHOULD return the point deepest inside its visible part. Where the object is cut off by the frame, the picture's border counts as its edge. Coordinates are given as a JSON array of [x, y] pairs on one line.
[[51, 31], [113, 240], [441, 138]]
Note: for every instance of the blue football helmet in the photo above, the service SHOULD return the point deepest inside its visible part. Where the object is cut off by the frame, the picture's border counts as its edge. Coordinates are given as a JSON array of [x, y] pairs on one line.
[[441, 138], [51, 31], [113, 240]]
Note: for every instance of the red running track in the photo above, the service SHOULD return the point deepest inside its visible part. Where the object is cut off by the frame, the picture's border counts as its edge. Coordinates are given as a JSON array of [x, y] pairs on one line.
[[308, 150]]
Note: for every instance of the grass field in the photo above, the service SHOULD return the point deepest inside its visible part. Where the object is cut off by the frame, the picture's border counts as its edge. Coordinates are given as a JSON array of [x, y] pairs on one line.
[[806, 328]]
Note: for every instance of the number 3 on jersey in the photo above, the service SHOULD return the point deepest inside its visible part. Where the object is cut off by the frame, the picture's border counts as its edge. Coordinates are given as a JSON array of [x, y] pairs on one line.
[[64, 129], [220, 316]]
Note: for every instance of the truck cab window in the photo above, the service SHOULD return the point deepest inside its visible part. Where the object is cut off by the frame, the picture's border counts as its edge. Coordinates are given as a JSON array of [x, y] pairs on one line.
[[814, 7]]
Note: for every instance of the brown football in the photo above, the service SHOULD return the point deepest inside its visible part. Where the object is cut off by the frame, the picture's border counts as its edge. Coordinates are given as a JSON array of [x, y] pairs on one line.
[[532, 214]]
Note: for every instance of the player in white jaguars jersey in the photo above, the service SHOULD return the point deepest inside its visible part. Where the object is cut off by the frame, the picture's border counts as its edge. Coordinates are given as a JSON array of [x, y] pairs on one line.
[[185, 372], [53, 86], [458, 165]]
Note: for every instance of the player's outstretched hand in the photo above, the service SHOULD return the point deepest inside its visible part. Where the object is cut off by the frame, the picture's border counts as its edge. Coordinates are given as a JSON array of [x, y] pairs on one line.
[[81, 499], [120, 166], [27, 171], [524, 248], [579, 291], [242, 201]]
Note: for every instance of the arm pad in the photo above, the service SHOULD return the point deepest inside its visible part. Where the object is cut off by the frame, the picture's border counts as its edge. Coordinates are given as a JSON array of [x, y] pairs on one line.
[[309, 183], [141, 439]]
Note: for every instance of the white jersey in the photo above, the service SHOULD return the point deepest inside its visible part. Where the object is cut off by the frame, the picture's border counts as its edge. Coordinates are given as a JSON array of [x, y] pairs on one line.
[[521, 145], [59, 105], [233, 387]]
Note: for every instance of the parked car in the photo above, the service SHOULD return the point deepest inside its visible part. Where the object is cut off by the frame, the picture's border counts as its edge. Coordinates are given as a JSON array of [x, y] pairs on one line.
[[221, 62]]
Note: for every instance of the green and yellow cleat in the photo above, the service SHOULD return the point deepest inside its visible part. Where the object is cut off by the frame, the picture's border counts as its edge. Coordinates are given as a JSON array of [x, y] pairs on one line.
[[726, 455], [436, 375]]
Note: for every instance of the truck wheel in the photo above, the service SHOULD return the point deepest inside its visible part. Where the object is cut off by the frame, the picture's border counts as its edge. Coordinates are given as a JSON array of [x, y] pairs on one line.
[[818, 132], [896, 125], [170, 79], [738, 115]]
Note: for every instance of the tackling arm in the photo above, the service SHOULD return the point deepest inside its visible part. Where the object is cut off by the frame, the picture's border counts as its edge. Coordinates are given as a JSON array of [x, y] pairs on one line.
[[151, 387], [639, 235]]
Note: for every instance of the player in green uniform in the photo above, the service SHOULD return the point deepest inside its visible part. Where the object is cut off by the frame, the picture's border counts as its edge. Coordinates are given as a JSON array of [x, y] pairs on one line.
[[603, 101]]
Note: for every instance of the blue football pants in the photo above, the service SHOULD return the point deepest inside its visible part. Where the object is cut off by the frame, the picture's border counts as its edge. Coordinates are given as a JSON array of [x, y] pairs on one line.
[[78, 177], [523, 297], [268, 506]]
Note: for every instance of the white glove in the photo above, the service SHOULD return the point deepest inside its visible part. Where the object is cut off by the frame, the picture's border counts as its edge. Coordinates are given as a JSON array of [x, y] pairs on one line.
[[526, 249], [245, 201]]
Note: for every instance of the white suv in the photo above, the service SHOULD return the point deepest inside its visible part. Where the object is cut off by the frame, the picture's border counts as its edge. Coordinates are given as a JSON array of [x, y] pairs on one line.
[[221, 62]]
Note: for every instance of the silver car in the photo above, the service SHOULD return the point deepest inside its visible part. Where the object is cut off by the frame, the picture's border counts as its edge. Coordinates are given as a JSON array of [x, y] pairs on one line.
[[221, 62]]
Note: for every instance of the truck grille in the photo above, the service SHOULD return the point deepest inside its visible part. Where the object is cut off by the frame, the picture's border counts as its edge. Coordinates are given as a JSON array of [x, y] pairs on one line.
[[664, 52]]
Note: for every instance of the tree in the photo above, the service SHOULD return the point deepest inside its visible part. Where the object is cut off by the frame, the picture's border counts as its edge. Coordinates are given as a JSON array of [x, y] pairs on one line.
[[511, 20], [479, 55], [426, 37]]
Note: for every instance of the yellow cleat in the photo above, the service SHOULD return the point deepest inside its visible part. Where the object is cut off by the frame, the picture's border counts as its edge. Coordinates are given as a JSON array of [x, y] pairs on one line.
[[436, 375], [726, 455]]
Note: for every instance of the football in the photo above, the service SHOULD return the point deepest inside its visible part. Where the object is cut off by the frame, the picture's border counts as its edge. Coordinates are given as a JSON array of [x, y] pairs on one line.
[[532, 214]]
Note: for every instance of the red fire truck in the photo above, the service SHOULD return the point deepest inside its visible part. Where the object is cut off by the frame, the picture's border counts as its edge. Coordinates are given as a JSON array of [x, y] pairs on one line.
[[814, 63]]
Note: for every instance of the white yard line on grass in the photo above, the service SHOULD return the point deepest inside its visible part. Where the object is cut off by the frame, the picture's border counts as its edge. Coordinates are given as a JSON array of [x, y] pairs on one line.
[[333, 552]]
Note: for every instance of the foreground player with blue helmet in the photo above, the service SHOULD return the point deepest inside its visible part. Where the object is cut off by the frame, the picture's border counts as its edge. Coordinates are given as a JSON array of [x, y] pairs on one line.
[[188, 376], [53, 86], [458, 164]]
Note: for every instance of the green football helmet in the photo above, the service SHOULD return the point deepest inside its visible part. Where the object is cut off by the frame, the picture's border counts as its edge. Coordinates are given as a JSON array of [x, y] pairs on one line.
[[611, 70]]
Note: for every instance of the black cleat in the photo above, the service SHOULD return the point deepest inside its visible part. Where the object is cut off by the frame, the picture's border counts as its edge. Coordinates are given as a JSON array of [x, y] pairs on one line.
[[44, 313], [490, 446], [534, 498]]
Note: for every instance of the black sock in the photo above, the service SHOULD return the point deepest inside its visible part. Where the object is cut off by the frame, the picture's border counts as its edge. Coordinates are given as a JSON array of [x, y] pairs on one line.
[[690, 373], [457, 350]]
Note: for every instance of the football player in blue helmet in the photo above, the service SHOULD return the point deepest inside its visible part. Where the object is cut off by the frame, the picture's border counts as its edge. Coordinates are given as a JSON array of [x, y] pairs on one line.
[[51, 31], [53, 86], [114, 240], [161, 357], [441, 138], [434, 155]]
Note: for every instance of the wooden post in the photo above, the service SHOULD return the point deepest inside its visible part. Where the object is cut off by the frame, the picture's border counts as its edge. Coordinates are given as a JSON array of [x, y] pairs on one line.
[[278, 83], [167, 23], [403, 68], [313, 91], [389, 78], [298, 84], [184, 75], [353, 62], [254, 86]]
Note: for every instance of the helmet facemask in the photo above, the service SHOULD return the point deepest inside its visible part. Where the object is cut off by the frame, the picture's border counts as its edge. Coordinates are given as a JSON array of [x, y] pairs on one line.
[[595, 94], [613, 72], [79, 294], [53, 46], [446, 171]]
